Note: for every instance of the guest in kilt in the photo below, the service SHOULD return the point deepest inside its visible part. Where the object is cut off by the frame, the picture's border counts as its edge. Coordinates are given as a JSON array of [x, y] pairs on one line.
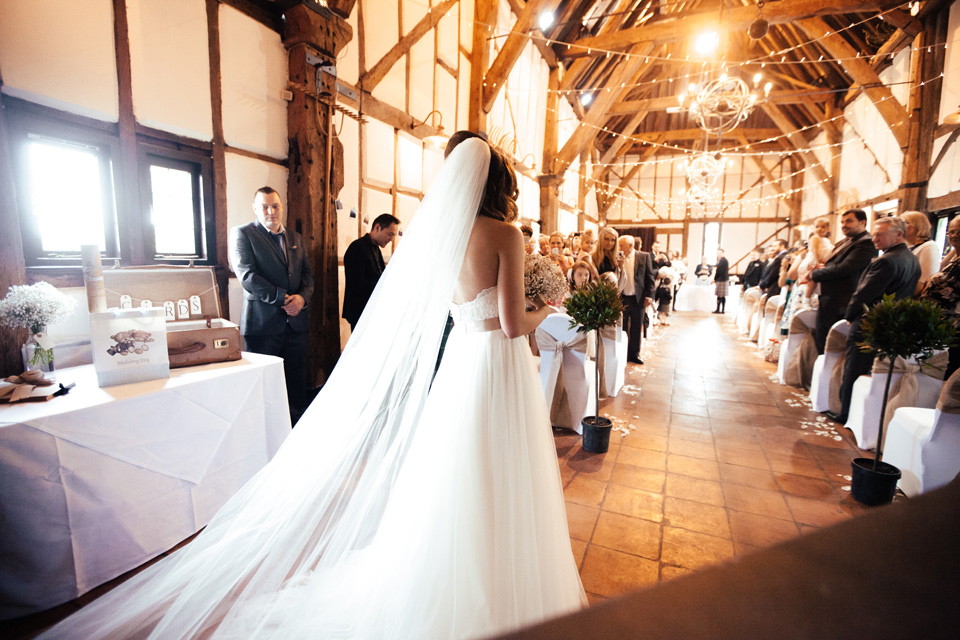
[[721, 277]]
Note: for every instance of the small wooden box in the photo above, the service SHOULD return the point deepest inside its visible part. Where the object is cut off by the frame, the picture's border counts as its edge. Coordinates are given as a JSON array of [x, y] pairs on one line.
[[201, 335]]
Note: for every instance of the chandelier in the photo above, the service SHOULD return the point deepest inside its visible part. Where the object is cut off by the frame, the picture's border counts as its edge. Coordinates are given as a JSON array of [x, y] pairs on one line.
[[703, 172], [722, 105]]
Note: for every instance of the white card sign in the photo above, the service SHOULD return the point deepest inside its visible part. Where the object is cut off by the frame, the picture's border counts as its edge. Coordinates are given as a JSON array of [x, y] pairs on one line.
[[129, 345]]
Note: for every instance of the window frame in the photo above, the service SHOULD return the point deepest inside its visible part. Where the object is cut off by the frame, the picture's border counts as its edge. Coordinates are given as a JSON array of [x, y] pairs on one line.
[[24, 119]]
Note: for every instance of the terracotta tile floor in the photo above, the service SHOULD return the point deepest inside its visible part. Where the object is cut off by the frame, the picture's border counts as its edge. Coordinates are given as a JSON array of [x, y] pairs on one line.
[[717, 460], [714, 459]]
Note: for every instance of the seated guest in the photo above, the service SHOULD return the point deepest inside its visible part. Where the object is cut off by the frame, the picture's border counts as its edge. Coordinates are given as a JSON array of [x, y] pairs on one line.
[[529, 243], [943, 288], [896, 271], [926, 250], [605, 257], [770, 280]]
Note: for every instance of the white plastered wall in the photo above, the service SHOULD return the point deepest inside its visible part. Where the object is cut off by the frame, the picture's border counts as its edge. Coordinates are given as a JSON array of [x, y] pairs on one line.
[[61, 54]]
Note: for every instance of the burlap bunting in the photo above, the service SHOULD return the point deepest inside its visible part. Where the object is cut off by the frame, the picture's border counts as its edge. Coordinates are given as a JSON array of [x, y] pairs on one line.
[[559, 401], [799, 371], [905, 391], [950, 395]]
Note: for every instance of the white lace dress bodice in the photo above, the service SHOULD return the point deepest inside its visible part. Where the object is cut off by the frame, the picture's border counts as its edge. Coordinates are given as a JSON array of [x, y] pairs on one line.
[[481, 308]]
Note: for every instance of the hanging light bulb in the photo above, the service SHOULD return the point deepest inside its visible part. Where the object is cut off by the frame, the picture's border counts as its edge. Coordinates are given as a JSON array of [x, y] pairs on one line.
[[586, 98], [545, 21], [759, 27]]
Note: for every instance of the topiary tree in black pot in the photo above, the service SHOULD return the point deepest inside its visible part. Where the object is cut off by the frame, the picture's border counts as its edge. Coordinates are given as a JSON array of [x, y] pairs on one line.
[[907, 328], [592, 308]]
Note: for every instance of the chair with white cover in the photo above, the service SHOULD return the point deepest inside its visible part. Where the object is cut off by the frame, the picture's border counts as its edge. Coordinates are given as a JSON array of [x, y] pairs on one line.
[[567, 376], [925, 443], [799, 351], [748, 305], [768, 315], [614, 363], [771, 331], [756, 318], [910, 386], [828, 370]]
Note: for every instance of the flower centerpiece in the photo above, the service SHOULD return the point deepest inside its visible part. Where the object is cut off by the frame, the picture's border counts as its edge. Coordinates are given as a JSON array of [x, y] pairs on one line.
[[543, 280], [907, 328], [33, 307], [593, 308]]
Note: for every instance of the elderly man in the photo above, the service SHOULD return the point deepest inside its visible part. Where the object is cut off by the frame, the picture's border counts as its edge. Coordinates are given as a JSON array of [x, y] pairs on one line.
[[896, 271], [636, 293], [272, 266], [363, 264], [839, 275]]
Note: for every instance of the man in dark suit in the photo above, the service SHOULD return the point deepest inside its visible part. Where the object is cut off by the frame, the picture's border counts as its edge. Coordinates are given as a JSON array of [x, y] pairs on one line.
[[751, 275], [636, 293], [273, 268], [363, 264], [896, 271], [839, 275], [770, 280]]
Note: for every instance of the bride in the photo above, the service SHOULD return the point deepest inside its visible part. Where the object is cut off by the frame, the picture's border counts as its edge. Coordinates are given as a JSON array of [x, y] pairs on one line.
[[394, 509]]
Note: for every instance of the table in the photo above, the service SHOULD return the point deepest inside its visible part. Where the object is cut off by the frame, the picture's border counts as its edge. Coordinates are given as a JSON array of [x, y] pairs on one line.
[[95, 483]]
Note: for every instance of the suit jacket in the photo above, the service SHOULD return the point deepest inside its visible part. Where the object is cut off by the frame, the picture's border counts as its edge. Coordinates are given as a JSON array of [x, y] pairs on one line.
[[751, 276], [362, 266], [770, 280], [840, 274], [722, 273], [897, 271], [266, 278], [643, 276]]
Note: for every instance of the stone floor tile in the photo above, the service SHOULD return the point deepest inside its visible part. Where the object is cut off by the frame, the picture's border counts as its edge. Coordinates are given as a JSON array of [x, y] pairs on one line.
[[610, 573], [687, 488], [694, 467], [693, 550], [635, 536], [696, 516], [765, 503], [636, 503]]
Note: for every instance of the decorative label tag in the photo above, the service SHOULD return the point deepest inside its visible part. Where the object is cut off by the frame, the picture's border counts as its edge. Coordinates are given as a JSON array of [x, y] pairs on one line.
[[44, 340], [146, 304], [170, 310], [195, 306], [183, 310], [126, 302]]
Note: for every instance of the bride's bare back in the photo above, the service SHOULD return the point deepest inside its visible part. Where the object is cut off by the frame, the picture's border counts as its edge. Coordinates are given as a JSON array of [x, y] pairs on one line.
[[494, 257]]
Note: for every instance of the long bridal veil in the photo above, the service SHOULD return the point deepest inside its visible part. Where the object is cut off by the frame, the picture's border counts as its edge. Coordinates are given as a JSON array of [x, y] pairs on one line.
[[322, 499]]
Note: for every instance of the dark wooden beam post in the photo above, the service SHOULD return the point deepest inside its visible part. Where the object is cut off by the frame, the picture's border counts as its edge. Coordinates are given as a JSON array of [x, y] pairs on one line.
[[924, 112], [313, 38], [484, 15], [131, 222], [12, 269], [219, 161]]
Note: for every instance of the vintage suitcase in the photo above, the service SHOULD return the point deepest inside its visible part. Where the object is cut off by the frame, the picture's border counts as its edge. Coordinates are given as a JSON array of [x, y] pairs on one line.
[[196, 332]]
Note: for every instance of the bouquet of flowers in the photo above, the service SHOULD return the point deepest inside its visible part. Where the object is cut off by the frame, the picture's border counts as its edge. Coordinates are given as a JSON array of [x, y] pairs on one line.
[[34, 307], [543, 279]]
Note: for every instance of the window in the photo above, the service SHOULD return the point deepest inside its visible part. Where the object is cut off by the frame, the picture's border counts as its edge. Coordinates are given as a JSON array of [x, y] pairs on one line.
[[69, 186], [711, 242]]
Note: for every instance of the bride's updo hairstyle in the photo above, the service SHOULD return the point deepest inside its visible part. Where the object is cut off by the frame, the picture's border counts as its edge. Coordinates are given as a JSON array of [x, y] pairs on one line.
[[500, 195]]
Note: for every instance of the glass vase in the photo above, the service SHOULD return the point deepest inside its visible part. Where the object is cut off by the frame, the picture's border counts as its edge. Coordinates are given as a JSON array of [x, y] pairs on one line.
[[38, 354]]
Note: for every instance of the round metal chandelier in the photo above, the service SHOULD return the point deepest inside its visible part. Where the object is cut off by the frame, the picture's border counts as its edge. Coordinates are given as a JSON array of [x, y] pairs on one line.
[[722, 105], [702, 174]]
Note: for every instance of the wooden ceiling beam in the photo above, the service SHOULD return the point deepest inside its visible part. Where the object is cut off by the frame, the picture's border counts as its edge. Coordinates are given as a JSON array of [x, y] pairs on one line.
[[860, 71], [678, 27], [627, 107], [800, 144], [610, 26], [619, 143], [509, 53], [597, 112], [378, 72]]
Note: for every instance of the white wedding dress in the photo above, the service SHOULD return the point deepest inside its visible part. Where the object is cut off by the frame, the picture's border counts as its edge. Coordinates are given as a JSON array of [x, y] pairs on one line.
[[395, 509]]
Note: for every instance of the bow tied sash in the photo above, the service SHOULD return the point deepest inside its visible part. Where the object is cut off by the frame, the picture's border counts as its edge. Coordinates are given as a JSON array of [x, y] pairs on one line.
[[950, 395], [906, 390], [559, 381], [836, 344], [799, 372]]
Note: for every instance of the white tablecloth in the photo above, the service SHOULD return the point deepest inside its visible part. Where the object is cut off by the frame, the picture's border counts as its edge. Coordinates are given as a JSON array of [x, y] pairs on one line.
[[95, 483], [700, 297]]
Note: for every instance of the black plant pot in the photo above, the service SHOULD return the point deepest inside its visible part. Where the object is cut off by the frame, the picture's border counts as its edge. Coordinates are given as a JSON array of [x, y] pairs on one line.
[[596, 433], [873, 487]]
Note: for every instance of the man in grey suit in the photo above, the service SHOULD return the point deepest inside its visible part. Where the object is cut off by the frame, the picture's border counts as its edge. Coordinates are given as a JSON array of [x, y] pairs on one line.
[[636, 293], [273, 268], [839, 275], [896, 271]]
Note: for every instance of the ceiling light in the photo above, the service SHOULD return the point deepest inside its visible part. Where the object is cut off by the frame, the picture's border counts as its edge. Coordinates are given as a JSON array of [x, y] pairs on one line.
[[545, 21], [586, 98], [707, 42]]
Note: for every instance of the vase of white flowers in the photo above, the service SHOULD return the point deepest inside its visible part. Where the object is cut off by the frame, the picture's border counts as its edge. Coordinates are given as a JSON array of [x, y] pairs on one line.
[[33, 307]]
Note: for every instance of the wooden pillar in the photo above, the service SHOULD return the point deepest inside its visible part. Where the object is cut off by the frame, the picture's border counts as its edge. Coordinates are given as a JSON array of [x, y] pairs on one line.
[[549, 203], [218, 160], [924, 110], [484, 15], [550, 183], [834, 139], [12, 269], [314, 36]]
